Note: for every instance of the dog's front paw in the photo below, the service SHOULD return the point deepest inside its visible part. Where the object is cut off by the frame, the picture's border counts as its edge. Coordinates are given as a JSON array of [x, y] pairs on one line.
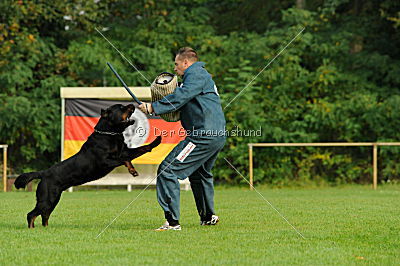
[[133, 172]]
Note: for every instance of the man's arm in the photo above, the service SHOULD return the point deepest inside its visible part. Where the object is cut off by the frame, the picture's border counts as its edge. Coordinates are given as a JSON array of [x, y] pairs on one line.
[[192, 86]]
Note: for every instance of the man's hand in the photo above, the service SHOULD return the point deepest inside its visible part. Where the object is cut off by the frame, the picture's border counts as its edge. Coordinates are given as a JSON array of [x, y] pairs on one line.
[[146, 108]]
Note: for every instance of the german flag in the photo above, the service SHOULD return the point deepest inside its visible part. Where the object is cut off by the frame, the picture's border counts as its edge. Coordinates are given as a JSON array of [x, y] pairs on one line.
[[81, 116]]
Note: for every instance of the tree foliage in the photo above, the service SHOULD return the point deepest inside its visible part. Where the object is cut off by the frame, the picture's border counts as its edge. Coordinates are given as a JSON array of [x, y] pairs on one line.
[[338, 81]]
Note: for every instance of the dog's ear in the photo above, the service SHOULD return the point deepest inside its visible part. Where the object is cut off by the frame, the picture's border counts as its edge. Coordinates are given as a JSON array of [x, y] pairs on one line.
[[104, 113]]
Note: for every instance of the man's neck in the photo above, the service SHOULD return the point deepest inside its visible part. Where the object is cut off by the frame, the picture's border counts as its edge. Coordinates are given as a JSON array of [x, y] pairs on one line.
[[189, 67]]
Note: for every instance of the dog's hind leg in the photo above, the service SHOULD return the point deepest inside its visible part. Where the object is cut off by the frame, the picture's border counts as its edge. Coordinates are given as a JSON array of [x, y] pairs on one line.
[[46, 213], [32, 216], [41, 203], [41, 208]]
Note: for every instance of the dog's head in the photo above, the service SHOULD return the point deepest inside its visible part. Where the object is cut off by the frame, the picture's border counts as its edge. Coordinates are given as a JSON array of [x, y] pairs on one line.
[[118, 115]]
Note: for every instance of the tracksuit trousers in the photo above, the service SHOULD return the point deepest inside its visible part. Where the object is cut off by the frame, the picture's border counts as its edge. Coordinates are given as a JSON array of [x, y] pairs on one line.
[[194, 158]]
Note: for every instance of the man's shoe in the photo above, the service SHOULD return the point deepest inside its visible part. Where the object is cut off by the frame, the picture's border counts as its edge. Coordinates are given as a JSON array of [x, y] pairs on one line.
[[214, 220], [166, 227]]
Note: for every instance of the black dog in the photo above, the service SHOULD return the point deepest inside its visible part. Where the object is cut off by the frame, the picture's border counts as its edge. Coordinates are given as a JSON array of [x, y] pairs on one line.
[[100, 154]]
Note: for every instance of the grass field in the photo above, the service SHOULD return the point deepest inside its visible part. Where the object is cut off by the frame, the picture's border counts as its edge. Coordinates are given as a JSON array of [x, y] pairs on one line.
[[347, 225]]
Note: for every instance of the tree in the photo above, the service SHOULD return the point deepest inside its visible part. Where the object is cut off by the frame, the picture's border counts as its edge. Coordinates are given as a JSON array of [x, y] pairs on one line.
[[339, 81]]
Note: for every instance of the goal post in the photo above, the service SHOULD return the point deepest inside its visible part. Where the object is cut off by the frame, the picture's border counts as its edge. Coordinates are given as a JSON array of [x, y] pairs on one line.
[[374, 146], [4, 147]]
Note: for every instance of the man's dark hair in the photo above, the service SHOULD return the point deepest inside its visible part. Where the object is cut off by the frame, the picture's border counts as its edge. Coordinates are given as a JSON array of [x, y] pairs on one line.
[[187, 53]]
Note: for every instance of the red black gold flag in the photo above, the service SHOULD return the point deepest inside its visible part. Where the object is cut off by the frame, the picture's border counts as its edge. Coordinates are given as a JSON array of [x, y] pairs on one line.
[[81, 115]]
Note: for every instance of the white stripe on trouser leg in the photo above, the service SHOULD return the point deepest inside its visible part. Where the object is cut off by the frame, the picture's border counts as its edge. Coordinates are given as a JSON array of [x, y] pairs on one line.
[[186, 151]]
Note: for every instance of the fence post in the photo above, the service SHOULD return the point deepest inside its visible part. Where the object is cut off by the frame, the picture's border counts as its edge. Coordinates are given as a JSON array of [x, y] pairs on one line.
[[251, 165], [5, 168], [375, 165]]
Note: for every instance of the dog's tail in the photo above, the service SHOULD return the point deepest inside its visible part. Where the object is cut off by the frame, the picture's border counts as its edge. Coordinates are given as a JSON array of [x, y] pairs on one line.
[[24, 179]]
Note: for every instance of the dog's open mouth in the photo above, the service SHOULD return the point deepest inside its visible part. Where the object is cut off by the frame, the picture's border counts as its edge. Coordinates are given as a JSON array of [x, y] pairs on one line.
[[126, 118], [128, 115]]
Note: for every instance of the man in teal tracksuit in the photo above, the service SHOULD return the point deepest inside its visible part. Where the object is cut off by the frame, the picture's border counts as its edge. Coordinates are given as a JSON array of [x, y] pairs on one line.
[[202, 117]]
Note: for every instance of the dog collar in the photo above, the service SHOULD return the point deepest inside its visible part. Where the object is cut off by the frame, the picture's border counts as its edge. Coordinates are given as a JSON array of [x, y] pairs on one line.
[[106, 133]]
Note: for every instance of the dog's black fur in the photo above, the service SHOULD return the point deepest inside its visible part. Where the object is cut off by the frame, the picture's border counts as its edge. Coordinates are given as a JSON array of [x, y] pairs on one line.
[[100, 154]]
